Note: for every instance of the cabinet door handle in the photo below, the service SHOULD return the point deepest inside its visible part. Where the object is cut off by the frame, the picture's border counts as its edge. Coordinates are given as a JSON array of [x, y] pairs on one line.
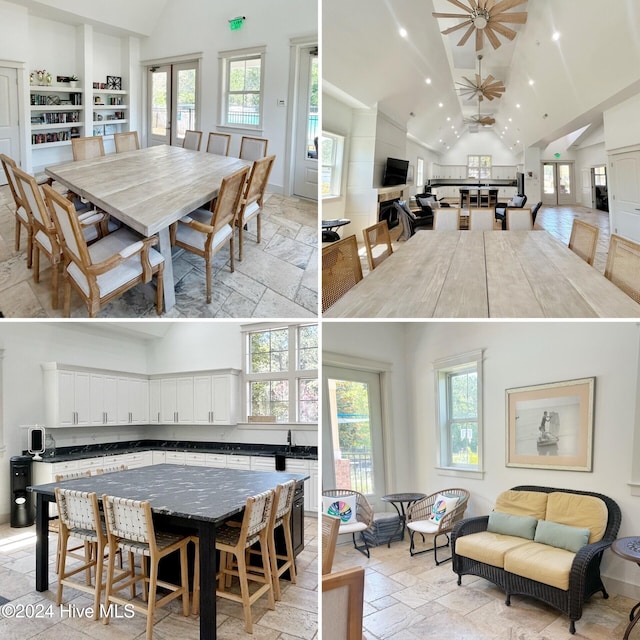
[[158, 416]]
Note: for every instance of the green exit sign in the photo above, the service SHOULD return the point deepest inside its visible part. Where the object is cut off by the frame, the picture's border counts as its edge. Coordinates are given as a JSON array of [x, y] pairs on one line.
[[236, 23]]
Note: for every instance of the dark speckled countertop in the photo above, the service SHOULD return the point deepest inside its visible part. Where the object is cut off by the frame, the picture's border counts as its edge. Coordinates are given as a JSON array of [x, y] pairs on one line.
[[79, 452], [195, 493]]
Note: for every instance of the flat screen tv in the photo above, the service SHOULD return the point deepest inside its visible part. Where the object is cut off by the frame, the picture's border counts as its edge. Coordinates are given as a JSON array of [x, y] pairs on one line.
[[395, 172]]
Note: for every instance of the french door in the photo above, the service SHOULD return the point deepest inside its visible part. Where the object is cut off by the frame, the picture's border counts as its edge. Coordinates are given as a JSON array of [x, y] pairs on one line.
[[352, 433], [9, 126], [558, 183], [172, 103]]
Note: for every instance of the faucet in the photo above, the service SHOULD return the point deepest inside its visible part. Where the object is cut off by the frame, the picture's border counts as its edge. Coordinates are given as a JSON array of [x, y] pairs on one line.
[[289, 440]]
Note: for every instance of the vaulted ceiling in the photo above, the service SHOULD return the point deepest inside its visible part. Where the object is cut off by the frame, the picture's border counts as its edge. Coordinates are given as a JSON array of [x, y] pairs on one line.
[[392, 55]]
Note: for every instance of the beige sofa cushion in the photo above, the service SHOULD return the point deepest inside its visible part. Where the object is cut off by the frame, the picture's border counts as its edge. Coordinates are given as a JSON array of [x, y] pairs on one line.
[[488, 547], [575, 510], [541, 563], [522, 503]]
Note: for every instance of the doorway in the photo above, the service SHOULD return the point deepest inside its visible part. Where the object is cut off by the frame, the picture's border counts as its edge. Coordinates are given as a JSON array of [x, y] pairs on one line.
[[305, 182], [558, 183], [172, 103], [9, 123], [352, 431], [599, 194]]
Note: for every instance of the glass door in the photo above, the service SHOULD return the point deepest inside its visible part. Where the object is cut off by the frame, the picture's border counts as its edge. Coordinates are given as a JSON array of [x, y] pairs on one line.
[[558, 183], [159, 120], [352, 432]]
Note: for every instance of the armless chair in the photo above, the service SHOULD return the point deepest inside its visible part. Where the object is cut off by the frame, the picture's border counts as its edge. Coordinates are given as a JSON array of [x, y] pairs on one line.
[[253, 148], [623, 266], [519, 219], [377, 242], [584, 240], [87, 148], [20, 212], [192, 140], [330, 527], [481, 219], [126, 141], [343, 604], [341, 269], [446, 219], [253, 199], [218, 143], [517, 202], [364, 516], [109, 267], [204, 233]]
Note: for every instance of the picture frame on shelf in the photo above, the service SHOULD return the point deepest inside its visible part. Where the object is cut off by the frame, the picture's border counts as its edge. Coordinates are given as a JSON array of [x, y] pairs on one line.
[[110, 129], [550, 426], [96, 85], [114, 83], [98, 130]]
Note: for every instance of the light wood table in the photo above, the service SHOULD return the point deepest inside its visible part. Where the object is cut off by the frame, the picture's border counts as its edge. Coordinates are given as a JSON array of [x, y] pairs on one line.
[[149, 189], [497, 274]]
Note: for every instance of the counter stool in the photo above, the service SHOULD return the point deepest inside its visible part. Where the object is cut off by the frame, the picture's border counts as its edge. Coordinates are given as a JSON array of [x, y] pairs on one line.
[[281, 517]]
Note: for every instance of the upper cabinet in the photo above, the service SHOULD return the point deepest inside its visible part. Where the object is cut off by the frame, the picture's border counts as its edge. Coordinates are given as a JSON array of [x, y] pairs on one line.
[[215, 399], [68, 395]]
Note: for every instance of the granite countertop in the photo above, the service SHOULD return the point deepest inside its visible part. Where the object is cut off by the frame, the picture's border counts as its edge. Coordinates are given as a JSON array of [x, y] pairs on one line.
[[80, 452]]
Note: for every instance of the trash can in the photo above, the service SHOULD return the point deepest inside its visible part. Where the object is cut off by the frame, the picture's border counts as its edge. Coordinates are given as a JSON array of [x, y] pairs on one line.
[[22, 513]]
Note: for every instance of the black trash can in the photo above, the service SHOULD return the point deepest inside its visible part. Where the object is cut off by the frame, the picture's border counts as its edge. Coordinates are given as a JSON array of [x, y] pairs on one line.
[[22, 512]]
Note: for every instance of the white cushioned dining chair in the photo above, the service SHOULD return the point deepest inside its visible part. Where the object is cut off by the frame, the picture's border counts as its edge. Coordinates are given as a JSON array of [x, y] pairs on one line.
[[204, 233], [130, 528], [253, 148], [87, 148], [192, 140], [45, 237], [363, 519], [218, 143], [343, 604], [20, 212], [481, 219], [519, 219], [107, 268], [447, 219], [584, 240], [623, 265], [253, 199], [126, 141]]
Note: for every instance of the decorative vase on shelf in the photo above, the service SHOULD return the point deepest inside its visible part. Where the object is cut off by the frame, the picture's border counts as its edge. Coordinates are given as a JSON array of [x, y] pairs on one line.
[[40, 75], [49, 79], [32, 78], [73, 84]]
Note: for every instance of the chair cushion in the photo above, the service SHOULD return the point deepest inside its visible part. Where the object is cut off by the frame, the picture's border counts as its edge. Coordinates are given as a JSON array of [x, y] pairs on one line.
[[22, 214], [490, 548], [512, 525], [196, 239], [125, 272], [352, 527], [343, 507], [587, 512], [523, 503], [423, 526], [43, 240], [561, 535], [251, 211], [541, 563], [516, 201]]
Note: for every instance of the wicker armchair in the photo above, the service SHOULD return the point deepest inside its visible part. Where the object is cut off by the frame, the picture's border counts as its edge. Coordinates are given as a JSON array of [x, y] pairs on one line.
[[364, 516], [419, 520]]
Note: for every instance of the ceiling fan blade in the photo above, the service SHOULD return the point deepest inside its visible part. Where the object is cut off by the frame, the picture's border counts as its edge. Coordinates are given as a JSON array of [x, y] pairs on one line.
[[451, 15], [458, 26], [466, 36], [492, 37], [479, 39], [511, 18], [459, 4], [474, 4], [505, 31], [489, 5], [505, 5]]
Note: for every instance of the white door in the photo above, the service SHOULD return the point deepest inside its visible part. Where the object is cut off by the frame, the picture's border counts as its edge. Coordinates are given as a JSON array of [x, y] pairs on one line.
[[9, 124], [306, 142], [159, 113], [558, 183], [352, 430], [624, 196]]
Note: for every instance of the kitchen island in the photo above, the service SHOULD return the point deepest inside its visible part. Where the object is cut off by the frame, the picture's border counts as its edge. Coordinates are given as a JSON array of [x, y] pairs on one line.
[[188, 499]]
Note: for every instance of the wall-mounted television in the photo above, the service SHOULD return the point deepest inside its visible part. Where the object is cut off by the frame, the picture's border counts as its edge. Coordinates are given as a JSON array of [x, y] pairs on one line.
[[395, 172]]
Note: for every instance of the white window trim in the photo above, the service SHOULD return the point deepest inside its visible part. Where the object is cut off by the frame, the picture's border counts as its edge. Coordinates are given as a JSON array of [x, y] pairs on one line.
[[224, 57], [293, 375], [480, 155], [441, 367], [338, 164]]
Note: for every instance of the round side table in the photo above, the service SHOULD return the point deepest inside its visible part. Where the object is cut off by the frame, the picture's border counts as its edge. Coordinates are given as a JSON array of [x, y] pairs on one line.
[[401, 499], [629, 549]]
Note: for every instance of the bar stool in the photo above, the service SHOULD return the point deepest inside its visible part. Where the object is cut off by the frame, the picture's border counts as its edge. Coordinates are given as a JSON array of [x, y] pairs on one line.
[[283, 502]]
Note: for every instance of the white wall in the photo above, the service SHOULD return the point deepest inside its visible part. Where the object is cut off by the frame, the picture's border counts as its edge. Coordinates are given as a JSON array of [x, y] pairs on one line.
[[481, 143], [14, 44], [391, 142], [415, 151], [586, 158], [622, 125]]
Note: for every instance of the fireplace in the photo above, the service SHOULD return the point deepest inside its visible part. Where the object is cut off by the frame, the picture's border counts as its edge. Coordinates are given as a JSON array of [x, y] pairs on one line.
[[388, 212]]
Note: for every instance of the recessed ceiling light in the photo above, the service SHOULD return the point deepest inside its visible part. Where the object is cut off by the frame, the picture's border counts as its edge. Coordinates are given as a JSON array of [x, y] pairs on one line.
[[455, 132], [403, 32], [506, 128], [517, 106], [428, 80], [440, 140], [531, 83], [517, 141], [452, 127], [510, 119], [440, 105], [556, 36], [458, 136], [448, 118]]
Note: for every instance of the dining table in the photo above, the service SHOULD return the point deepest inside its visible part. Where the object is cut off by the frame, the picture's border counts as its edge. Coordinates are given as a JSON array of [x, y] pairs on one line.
[[189, 499], [484, 274], [149, 189]]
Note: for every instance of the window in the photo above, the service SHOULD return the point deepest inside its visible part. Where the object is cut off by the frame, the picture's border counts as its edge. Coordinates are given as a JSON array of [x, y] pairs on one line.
[[479, 167], [600, 176], [420, 174], [242, 75], [281, 373], [332, 151], [459, 412]]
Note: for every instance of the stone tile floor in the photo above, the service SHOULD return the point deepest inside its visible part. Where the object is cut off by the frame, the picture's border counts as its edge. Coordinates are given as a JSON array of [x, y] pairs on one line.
[[295, 616], [277, 278], [409, 598]]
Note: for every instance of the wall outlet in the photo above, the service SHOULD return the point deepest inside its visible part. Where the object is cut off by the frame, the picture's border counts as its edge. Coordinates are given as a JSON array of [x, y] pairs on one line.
[[281, 102]]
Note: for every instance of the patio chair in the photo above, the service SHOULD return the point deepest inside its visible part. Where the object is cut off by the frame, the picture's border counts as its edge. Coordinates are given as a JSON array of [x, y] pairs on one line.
[[363, 516]]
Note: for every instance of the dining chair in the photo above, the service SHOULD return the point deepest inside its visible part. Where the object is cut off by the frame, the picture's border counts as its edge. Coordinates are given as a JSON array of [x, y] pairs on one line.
[[623, 265], [192, 140], [377, 242], [434, 516], [80, 518], [341, 269], [446, 219], [107, 268], [330, 527], [481, 219], [126, 141], [584, 240], [204, 233], [363, 519], [253, 148], [44, 237], [87, 148], [130, 527], [519, 219], [22, 217], [218, 143], [343, 604], [253, 199]]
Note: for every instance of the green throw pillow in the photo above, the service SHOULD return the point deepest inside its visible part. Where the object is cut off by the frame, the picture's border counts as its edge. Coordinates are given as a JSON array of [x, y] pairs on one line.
[[512, 525], [561, 535]]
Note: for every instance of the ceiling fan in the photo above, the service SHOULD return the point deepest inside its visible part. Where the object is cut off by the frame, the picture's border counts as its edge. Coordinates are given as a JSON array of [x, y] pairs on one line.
[[485, 17], [483, 120], [488, 88]]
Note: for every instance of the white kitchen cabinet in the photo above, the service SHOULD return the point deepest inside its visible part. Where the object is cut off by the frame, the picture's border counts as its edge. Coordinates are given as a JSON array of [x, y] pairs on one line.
[[215, 399], [158, 457], [133, 400], [217, 460], [263, 463], [175, 457], [91, 464], [130, 460], [155, 401], [103, 399], [177, 400], [195, 459], [295, 465], [67, 396], [239, 462]]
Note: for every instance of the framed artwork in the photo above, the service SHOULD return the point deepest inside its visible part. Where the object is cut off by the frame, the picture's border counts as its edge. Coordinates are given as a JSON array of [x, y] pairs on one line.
[[110, 129], [550, 426], [98, 130], [114, 83]]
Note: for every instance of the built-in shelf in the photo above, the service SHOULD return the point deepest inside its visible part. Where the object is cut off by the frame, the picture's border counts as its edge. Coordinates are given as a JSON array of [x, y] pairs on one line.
[[58, 125], [45, 145], [56, 88]]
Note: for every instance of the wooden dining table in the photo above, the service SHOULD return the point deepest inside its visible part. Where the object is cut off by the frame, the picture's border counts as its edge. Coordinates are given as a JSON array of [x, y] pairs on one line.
[[484, 274], [149, 189]]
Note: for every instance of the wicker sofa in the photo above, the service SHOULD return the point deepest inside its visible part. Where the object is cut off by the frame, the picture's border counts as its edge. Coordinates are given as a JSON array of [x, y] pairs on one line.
[[561, 578]]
